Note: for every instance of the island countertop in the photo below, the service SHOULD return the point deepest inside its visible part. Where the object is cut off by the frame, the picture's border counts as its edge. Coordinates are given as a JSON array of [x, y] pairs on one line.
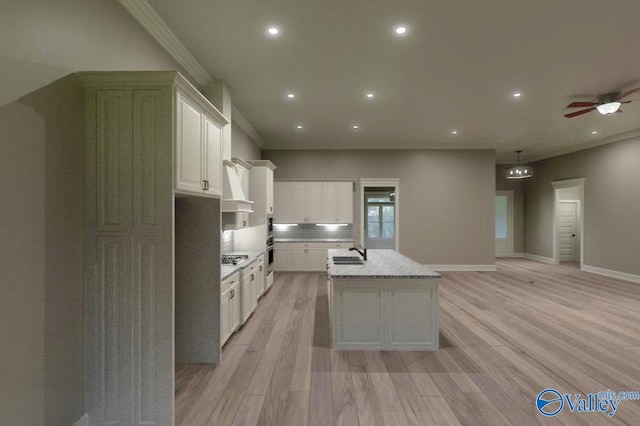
[[379, 264]]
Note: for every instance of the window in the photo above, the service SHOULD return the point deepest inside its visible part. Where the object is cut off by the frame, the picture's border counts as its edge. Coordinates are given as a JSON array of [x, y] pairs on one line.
[[381, 218]]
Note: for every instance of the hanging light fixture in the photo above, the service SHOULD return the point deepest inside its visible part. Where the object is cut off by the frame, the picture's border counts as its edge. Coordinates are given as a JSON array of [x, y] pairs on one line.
[[518, 172]]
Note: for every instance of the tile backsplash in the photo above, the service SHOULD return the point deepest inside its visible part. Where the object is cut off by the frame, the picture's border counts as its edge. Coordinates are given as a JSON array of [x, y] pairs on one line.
[[311, 231], [227, 244]]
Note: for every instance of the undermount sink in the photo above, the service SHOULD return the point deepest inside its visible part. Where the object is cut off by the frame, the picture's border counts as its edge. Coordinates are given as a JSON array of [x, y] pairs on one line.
[[347, 260]]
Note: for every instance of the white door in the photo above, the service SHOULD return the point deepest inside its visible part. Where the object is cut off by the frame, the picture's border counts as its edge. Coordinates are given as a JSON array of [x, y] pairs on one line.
[[568, 231], [225, 325], [299, 202], [379, 218], [314, 202], [330, 202], [283, 202], [345, 202], [213, 157], [189, 147]]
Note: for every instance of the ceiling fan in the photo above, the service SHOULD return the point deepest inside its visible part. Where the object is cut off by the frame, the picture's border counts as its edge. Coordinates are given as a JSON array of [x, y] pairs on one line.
[[608, 104]]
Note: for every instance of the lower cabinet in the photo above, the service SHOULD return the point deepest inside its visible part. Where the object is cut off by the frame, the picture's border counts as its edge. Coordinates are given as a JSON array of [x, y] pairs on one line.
[[249, 290], [304, 256], [261, 283], [229, 307]]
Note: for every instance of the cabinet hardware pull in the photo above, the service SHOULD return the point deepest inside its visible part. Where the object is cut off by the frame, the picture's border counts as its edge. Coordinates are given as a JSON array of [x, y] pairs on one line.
[[260, 268]]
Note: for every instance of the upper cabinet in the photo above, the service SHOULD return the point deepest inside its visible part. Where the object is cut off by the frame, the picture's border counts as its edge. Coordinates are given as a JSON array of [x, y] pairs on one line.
[[198, 145], [313, 202], [261, 188]]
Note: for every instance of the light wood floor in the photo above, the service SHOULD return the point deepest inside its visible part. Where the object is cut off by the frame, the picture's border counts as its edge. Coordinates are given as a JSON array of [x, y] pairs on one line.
[[504, 336]]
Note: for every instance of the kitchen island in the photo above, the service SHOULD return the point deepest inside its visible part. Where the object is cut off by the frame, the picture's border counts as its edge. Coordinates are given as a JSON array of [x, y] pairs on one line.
[[390, 302]]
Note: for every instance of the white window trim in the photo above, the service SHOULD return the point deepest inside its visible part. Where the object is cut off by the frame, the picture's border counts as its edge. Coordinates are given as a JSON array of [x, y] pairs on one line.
[[386, 182]]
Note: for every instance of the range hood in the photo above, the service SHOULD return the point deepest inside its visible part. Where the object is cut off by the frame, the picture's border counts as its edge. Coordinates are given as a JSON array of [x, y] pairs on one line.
[[233, 197]]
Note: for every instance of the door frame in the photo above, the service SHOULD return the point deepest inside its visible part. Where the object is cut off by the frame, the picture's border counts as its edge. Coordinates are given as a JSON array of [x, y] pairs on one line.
[[562, 184], [384, 182], [510, 225]]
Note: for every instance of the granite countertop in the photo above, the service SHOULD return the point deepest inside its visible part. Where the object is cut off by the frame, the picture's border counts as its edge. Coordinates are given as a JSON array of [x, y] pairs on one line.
[[226, 270], [380, 264], [313, 240]]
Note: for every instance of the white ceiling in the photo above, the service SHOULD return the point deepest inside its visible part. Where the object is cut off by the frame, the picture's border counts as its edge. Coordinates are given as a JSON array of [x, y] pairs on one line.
[[455, 69]]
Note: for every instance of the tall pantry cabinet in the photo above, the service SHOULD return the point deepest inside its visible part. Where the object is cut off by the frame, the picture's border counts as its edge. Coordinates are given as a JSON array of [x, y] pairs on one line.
[[151, 137]]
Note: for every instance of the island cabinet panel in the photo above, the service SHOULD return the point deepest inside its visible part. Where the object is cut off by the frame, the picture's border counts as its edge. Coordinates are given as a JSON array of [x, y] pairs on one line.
[[412, 314], [359, 313]]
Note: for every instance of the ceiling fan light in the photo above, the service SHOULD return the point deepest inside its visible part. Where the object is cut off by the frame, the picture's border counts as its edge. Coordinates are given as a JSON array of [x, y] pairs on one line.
[[608, 108]]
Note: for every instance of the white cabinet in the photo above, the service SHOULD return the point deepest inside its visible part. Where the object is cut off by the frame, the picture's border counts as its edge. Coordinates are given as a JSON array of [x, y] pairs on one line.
[[261, 284], [282, 257], [249, 291], [262, 193], [198, 149], [229, 307], [314, 202], [300, 257], [316, 259], [283, 202]]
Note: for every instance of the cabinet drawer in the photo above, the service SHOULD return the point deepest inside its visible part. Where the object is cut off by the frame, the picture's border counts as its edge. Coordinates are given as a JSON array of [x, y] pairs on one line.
[[306, 245], [229, 282], [344, 245]]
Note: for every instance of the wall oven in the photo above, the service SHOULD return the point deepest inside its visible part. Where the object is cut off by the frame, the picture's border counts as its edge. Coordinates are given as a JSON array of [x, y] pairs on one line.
[[270, 254], [269, 226]]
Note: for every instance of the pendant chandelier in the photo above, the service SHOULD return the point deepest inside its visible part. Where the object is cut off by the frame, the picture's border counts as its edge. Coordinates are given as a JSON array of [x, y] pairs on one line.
[[518, 172]]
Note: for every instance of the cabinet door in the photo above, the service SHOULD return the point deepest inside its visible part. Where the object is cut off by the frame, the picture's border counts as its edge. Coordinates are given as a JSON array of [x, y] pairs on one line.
[[189, 147], [298, 260], [316, 259], [329, 202], [269, 189], [246, 297], [412, 315], [345, 202], [282, 259], [213, 157], [260, 278], [234, 309], [225, 325], [283, 199], [314, 202], [299, 202]]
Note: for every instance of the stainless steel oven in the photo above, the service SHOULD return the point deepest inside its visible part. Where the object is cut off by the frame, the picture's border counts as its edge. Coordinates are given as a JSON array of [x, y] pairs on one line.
[[269, 226], [270, 254]]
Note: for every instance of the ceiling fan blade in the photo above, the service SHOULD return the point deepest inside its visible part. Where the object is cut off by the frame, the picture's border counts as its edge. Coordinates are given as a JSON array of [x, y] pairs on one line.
[[628, 92], [581, 104], [577, 113]]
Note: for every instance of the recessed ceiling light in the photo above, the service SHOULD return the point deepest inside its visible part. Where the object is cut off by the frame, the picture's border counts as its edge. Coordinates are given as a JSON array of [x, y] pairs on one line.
[[400, 30], [454, 132], [273, 31], [355, 126], [299, 126], [370, 95], [594, 132], [291, 95], [516, 94]]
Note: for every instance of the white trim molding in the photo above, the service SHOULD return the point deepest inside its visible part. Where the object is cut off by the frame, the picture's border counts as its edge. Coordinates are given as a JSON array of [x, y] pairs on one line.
[[153, 23], [512, 254], [82, 421], [611, 273], [538, 258], [243, 123], [468, 268], [388, 182]]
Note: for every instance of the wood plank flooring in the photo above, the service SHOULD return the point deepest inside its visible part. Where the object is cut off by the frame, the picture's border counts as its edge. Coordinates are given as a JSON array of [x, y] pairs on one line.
[[504, 337]]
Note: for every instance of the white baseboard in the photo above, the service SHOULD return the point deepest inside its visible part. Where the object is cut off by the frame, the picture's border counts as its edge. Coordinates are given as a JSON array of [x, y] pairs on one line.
[[611, 273], [510, 254], [537, 258], [480, 268], [82, 421]]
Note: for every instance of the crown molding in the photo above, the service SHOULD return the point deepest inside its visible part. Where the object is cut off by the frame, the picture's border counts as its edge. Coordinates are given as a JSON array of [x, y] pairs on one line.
[[153, 23], [604, 141], [238, 118]]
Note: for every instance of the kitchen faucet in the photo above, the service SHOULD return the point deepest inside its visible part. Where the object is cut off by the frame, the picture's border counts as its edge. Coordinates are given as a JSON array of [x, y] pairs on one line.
[[363, 253]]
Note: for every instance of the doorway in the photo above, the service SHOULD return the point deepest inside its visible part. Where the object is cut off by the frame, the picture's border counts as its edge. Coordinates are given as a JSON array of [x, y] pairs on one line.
[[568, 222], [379, 214], [504, 223]]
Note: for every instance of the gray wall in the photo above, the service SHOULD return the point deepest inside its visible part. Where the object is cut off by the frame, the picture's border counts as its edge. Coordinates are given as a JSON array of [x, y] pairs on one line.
[[242, 146], [611, 203], [446, 196], [41, 242], [516, 186]]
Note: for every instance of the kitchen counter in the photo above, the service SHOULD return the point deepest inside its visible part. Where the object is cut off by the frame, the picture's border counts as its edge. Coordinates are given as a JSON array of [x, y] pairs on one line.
[[380, 264], [314, 240], [227, 270]]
